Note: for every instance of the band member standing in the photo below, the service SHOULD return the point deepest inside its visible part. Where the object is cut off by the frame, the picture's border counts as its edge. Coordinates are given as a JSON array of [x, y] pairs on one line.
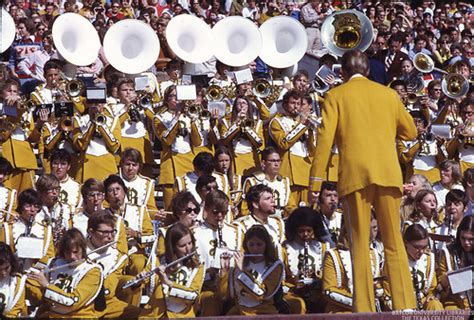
[[70, 291], [363, 131], [175, 290], [295, 139]]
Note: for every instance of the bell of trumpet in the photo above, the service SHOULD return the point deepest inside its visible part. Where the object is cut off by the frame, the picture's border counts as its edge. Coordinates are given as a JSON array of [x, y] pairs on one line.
[[74, 88], [262, 88], [100, 119], [215, 93], [454, 85], [144, 100], [247, 123], [346, 30], [66, 124], [194, 110]]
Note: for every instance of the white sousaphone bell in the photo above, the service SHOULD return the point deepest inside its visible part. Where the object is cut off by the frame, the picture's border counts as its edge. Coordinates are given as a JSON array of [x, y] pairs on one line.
[[346, 30], [76, 39], [8, 31], [284, 41], [131, 46], [190, 38], [236, 41]]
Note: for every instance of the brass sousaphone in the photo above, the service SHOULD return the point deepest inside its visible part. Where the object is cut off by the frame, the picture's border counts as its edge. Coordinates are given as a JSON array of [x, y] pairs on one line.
[[8, 30], [346, 30]]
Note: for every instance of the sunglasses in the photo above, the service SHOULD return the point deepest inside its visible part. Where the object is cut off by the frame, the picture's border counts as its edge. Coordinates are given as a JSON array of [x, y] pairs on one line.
[[189, 210]]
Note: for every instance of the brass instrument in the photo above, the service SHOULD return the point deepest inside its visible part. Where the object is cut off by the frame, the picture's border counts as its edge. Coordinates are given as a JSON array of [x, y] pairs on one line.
[[150, 273], [74, 88], [145, 100], [100, 119], [215, 93], [262, 88], [423, 63], [6, 128], [134, 114], [454, 85], [66, 124], [247, 123]]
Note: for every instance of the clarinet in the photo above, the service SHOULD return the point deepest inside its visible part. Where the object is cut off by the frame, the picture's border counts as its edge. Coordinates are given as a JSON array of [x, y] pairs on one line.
[[416, 284], [306, 260], [29, 226], [220, 243]]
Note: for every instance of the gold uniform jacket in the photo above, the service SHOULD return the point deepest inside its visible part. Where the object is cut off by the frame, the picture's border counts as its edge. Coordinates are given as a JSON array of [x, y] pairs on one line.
[[367, 149]]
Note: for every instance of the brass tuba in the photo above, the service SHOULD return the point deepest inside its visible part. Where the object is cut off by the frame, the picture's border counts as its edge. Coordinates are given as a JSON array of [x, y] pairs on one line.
[[346, 30], [423, 63]]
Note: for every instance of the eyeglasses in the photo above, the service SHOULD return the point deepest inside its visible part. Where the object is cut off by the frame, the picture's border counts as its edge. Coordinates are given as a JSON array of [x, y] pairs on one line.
[[437, 89], [41, 29], [217, 211], [95, 195], [106, 232], [53, 190], [114, 190], [189, 210]]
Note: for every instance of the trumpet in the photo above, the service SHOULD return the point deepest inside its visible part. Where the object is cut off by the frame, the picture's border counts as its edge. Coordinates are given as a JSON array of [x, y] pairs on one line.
[[66, 124], [144, 100], [139, 280], [100, 119], [262, 88], [215, 93], [247, 123], [74, 88]]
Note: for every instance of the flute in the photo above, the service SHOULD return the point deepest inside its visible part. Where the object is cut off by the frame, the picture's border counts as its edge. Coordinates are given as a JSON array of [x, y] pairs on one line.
[[136, 281], [246, 255]]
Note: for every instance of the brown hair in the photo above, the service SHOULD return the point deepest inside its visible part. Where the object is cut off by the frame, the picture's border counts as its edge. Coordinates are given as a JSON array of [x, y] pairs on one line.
[[71, 239], [258, 231], [175, 233], [101, 217], [91, 185]]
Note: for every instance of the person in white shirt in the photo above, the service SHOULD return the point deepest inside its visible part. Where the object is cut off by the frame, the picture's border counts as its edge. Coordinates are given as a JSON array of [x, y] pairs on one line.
[[39, 58]]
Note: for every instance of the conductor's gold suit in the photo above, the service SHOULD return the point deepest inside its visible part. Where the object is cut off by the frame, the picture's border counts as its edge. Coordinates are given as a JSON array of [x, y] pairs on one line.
[[364, 119]]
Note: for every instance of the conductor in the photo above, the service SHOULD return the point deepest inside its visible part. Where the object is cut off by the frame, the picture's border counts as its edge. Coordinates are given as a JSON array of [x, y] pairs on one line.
[[364, 119]]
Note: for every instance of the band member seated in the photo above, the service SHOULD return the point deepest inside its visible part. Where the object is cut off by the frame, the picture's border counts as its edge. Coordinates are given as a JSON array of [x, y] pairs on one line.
[[93, 193], [338, 278], [255, 277], [30, 239], [53, 212], [136, 219], [450, 178], [60, 161], [100, 248], [328, 202], [303, 257], [456, 256], [422, 268], [270, 176], [416, 183], [425, 212], [223, 161], [73, 290], [140, 189], [8, 195], [175, 287], [214, 237], [185, 210], [12, 285]]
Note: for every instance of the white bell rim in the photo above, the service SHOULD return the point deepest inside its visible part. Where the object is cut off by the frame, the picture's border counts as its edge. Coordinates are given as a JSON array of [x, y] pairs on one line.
[[8, 30], [76, 39], [131, 46], [229, 35], [190, 38], [284, 41]]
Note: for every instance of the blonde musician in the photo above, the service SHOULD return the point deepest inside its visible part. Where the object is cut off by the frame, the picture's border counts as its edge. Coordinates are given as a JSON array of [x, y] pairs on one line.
[[135, 223], [93, 193], [140, 189], [53, 212], [338, 280], [100, 235], [174, 290], [203, 164], [423, 155], [425, 212], [456, 256], [462, 144], [19, 136], [303, 257], [96, 135], [450, 179], [28, 238], [213, 237], [70, 193], [416, 183], [7, 195], [223, 160], [133, 119], [12, 285], [172, 127], [254, 280], [270, 176], [185, 210], [422, 267], [294, 136], [72, 291], [244, 133]]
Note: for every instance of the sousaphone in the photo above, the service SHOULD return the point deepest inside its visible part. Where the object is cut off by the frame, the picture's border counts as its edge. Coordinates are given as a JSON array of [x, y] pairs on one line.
[[131, 46], [284, 41], [346, 30], [190, 38], [76, 39], [236, 41], [8, 31]]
